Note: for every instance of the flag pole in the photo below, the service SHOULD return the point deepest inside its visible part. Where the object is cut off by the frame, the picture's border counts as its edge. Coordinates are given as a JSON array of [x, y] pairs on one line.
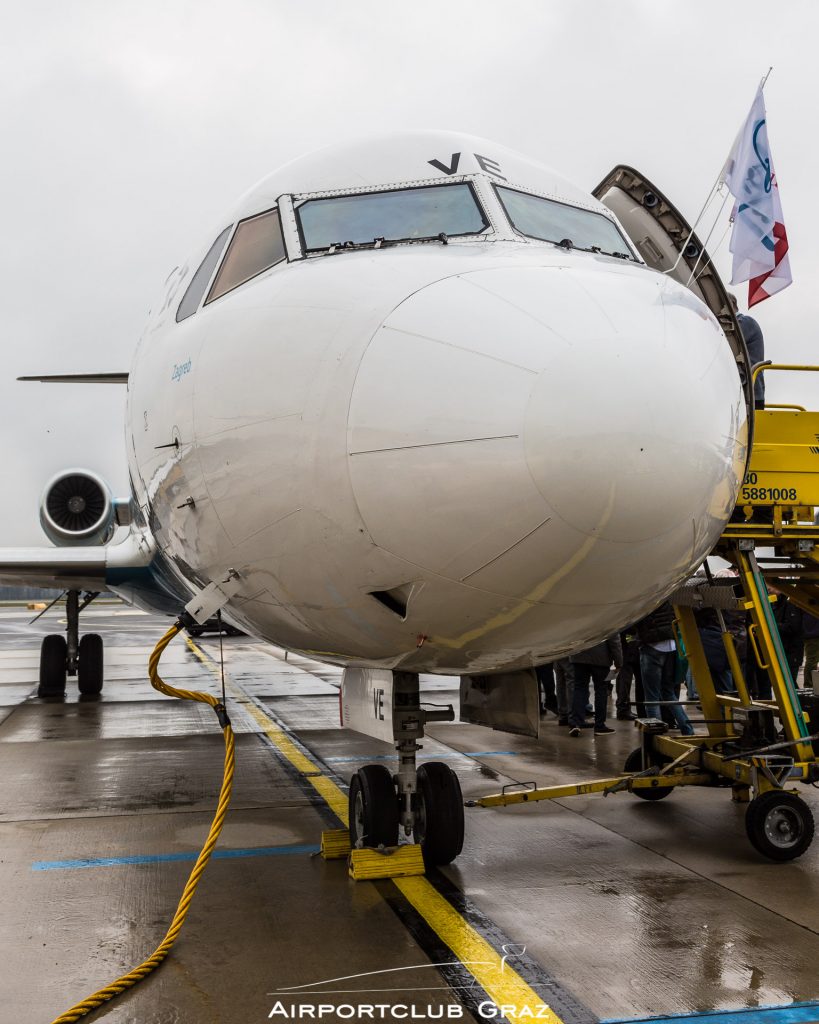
[[767, 76]]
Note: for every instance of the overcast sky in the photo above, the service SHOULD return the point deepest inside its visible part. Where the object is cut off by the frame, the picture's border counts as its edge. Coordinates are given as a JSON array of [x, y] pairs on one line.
[[128, 129]]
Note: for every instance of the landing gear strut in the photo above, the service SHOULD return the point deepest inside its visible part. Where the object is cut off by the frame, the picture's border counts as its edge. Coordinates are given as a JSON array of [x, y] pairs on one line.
[[68, 655], [425, 801]]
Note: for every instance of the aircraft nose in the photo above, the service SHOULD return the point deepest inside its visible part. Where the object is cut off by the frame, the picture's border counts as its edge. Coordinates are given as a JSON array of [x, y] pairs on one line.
[[526, 424], [653, 424]]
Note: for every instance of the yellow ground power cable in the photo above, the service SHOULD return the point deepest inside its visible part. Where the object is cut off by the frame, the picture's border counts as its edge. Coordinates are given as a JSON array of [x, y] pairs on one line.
[[130, 979]]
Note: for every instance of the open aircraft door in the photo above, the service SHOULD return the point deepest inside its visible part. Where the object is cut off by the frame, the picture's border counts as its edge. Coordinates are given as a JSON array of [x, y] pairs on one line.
[[664, 239]]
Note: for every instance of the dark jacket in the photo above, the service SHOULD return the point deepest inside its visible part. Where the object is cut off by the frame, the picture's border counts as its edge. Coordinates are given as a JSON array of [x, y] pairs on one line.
[[790, 621], [810, 626], [752, 333], [656, 626], [706, 619], [602, 654]]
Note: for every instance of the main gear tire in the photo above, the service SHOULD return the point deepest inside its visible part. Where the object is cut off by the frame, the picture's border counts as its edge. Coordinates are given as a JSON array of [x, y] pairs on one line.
[[90, 664], [439, 814], [53, 666], [373, 805]]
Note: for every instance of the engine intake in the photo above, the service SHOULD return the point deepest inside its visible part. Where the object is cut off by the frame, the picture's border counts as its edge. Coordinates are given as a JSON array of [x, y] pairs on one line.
[[76, 508]]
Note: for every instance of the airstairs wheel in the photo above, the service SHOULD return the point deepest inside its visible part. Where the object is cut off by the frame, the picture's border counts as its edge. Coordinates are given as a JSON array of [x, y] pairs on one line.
[[53, 665], [90, 664], [779, 825], [634, 764], [439, 814], [373, 807]]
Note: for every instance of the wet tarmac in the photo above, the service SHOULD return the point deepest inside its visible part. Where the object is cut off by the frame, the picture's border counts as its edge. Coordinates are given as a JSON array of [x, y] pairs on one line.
[[610, 908]]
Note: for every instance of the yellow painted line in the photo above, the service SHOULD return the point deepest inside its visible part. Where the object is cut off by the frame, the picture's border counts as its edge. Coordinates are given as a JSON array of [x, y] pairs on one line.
[[283, 743], [502, 983], [334, 797], [200, 654], [325, 787]]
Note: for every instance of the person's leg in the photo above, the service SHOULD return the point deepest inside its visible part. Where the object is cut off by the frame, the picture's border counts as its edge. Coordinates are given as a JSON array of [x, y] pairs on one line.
[[580, 696], [600, 679], [690, 685], [560, 691], [764, 690], [546, 685], [651, 668], [680, 669], [750, 672], [668, 692], [717, 659], [622, 690], [794, 653], [639, 693], [811, 659], [568, 669]]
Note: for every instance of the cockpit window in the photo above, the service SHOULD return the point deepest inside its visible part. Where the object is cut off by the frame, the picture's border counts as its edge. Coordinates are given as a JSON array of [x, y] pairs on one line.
[[399, 215], [558, 222], [199, 282], [257, 245]]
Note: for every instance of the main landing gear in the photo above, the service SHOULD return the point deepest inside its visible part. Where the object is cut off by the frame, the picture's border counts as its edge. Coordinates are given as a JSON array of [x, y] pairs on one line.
[[424, 800], [70, 655]]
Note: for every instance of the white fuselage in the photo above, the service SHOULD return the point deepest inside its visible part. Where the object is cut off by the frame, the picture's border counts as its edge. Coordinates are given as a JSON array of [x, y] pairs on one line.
[[525, 446]]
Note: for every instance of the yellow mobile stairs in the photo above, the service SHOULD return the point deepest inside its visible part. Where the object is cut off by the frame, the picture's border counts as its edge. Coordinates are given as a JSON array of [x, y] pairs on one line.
[[756, 748]]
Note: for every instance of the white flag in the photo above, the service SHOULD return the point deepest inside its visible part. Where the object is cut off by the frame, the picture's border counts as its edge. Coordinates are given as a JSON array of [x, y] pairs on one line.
[[758, 241]]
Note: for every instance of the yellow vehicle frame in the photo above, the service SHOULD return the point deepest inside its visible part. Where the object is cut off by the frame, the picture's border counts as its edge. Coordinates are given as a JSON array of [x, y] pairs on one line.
[[775, 510]]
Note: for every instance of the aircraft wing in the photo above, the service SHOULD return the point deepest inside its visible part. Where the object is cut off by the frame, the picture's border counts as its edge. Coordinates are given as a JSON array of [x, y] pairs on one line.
[[79, 378], [73, 568]]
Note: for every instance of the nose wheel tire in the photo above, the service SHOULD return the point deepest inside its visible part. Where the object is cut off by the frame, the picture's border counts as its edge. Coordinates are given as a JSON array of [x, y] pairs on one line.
[[634, 764], [439, 814], [53, 666], [373, 808], [90, 664], [779, 825]]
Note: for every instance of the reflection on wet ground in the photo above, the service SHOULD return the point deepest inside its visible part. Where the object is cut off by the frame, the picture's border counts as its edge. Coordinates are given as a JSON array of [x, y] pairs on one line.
[[636, 909]]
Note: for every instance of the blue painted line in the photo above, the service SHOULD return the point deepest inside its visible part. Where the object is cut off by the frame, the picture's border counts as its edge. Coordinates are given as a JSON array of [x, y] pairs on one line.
[[429, 757], [161, 858], [792, 1013]]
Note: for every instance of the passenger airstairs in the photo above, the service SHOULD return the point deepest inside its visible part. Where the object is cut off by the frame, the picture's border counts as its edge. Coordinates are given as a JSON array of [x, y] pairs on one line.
[[756, 747]]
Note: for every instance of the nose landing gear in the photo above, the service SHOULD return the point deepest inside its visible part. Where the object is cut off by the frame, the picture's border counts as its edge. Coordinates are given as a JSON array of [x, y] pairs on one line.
[[425, 801], [437, 811], [62, 656]]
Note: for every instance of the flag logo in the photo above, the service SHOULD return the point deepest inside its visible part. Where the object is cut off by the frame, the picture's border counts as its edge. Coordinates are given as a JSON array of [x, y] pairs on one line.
[[759, 241]]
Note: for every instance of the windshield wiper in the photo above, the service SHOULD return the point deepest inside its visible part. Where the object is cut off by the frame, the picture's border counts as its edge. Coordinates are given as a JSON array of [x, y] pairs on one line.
[[617, 255], [380, 243], [568, 245]]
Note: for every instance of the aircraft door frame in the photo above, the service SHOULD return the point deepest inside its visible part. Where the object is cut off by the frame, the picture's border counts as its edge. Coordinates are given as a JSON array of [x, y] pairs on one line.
[[668, 244]]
